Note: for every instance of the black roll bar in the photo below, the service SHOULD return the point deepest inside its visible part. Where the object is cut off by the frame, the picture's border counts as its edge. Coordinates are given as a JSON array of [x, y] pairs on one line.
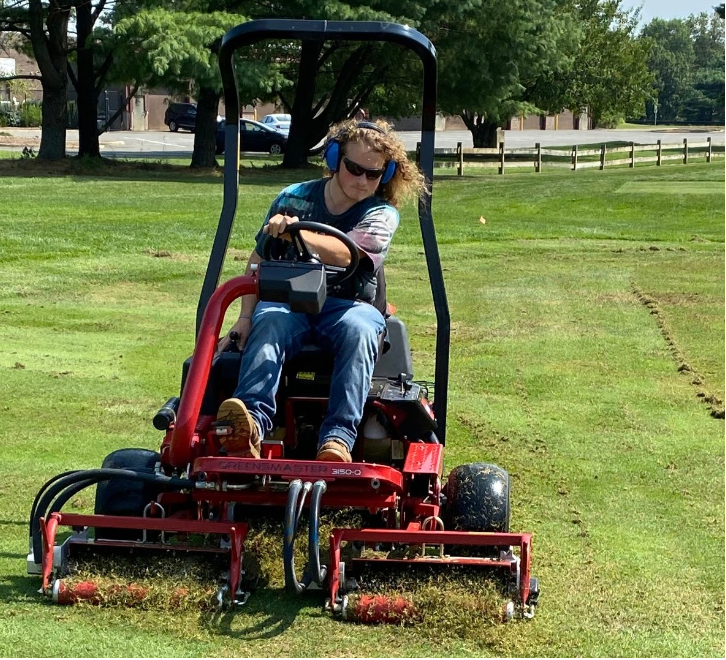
[[252, 32]]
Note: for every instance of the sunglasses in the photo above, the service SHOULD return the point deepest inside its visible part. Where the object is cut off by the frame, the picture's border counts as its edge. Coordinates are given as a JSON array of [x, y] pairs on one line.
[[357, 170]]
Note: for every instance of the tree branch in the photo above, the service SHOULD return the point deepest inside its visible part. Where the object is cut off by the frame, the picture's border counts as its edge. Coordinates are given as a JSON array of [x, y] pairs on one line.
[[24, 77], [285, 103], [101, 73], [72, 76], [97, 11], [326, 55], [118, 112]]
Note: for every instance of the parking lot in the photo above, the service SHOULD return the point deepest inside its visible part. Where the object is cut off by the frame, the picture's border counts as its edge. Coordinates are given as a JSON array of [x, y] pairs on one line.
[[160, 144]]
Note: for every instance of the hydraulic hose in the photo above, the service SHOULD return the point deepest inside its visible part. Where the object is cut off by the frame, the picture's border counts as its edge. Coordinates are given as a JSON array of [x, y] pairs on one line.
[[316, 571], [296, 495], [46, 485], [88, 477]]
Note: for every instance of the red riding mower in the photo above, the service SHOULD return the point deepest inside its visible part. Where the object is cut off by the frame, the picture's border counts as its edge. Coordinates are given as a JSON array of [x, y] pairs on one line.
[[191, 489]]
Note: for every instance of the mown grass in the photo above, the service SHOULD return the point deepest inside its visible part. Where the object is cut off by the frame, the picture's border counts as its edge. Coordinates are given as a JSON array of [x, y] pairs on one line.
[[560, 372]]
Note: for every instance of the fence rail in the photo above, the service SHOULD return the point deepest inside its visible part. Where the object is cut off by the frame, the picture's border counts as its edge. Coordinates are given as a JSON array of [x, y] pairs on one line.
[[499, 157]]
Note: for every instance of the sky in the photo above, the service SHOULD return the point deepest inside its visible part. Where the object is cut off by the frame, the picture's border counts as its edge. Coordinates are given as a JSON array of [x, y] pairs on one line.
[[670, 8]]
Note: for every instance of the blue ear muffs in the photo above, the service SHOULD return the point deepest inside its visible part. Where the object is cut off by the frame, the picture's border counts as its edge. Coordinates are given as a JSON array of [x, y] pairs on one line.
[[333, 154]]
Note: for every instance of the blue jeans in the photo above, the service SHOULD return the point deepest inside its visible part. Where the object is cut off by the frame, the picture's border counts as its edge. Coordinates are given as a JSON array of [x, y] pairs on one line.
[[348, 329]]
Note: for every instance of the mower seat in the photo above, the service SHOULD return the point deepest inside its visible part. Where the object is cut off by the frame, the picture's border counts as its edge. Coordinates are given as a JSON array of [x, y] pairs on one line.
[[309, 372], [311, 369]]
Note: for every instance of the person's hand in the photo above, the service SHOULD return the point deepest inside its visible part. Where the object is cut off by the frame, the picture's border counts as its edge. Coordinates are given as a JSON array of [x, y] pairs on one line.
[[277, 225], [242, 327]]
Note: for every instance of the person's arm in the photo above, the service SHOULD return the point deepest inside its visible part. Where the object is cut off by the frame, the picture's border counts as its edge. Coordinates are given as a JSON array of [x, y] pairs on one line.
[[243, 325], [330, 250]]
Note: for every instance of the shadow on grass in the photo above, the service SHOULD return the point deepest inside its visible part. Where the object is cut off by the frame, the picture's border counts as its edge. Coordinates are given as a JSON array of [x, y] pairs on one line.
[[116, 170], [19, 588], [267, 614]]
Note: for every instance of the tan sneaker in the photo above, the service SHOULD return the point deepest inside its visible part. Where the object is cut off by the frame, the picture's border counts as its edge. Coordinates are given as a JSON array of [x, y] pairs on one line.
[[243, 438], [334, 450]]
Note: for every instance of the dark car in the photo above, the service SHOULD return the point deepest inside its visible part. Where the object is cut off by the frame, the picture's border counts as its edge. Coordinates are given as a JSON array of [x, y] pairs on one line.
[[181, 115], [254, 136]]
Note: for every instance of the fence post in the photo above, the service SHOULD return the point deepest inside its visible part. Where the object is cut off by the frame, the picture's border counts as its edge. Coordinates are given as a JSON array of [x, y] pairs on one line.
[[501, 158], [460, 154], [418, 153], [538, 162], [708, 153], [685, 151], [660, 153], [632, 154], [574, 158], [603, 149]]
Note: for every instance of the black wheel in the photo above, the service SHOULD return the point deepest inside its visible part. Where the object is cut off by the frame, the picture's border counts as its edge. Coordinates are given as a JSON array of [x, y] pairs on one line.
[[124, 497], [275, 149], [173, 126], [478, 498]]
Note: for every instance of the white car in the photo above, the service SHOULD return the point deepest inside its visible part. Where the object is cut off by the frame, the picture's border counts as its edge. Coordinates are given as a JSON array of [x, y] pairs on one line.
[[278, 122]]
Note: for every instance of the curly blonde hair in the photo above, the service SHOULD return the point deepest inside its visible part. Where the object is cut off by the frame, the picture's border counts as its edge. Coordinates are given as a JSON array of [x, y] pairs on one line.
[[407, 182]]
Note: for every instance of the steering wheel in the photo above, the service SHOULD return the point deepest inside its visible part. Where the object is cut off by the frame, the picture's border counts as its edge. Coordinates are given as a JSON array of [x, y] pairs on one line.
[[340, 274]]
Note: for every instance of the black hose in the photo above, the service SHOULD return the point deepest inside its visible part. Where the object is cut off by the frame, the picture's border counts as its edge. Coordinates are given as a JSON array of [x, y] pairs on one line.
[[69, 492], [40, 492], [90, 477], [295, 500], [316, 571]]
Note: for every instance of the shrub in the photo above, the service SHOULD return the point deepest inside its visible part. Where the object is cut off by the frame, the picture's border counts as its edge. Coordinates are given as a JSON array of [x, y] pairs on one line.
[[30, 115], [9, 117]]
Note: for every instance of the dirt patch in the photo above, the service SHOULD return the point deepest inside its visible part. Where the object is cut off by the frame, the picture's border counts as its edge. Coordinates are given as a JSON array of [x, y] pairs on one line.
[[714, 403], [157, 253]]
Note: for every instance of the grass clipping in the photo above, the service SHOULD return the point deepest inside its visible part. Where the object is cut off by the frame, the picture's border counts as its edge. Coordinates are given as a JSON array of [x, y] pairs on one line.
[[156, 583], [445, 599]]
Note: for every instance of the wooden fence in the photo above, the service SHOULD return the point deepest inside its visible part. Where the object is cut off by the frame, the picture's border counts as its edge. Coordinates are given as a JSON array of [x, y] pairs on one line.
[[574, 159]]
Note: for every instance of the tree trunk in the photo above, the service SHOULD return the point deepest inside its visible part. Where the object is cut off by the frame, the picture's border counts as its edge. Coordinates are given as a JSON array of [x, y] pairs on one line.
[[50, 53], [205, 129], [296, 151], [483, 131], [53, 124], [85, 83]]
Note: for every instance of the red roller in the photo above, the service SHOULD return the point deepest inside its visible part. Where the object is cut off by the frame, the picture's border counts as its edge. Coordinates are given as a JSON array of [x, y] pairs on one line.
[[64, 594], [381, 609], [88, 591]]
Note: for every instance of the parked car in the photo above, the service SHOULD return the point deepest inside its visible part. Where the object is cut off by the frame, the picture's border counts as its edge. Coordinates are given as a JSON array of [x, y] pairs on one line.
[[181, 115], [278, 122], [254, 136]]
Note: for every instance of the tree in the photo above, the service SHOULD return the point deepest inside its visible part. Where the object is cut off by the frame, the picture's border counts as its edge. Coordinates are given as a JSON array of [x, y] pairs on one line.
[[608, 75], [45, 26], [706, 102], [491, 53], [178, 50], [93, 59], [325, 82], [671, 60]]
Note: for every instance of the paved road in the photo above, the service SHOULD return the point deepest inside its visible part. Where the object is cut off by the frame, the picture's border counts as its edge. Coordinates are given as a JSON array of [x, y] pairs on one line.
[[158, 144]]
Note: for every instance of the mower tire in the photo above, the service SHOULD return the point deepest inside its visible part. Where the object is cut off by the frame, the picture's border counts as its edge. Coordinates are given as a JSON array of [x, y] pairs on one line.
[[124, 497], [477, 498]]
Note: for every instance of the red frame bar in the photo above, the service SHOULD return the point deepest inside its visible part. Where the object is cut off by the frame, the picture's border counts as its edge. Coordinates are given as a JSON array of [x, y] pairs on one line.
[[522, 541], [326, 470], [334, 499], [180, 448], [236, 531]]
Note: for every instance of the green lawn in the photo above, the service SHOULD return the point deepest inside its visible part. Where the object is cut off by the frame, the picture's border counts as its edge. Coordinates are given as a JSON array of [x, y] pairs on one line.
[[575, 307]]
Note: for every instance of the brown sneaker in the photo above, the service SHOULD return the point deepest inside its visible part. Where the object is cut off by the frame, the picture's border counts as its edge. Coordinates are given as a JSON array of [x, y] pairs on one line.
[[243, 438], [334, 450]]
